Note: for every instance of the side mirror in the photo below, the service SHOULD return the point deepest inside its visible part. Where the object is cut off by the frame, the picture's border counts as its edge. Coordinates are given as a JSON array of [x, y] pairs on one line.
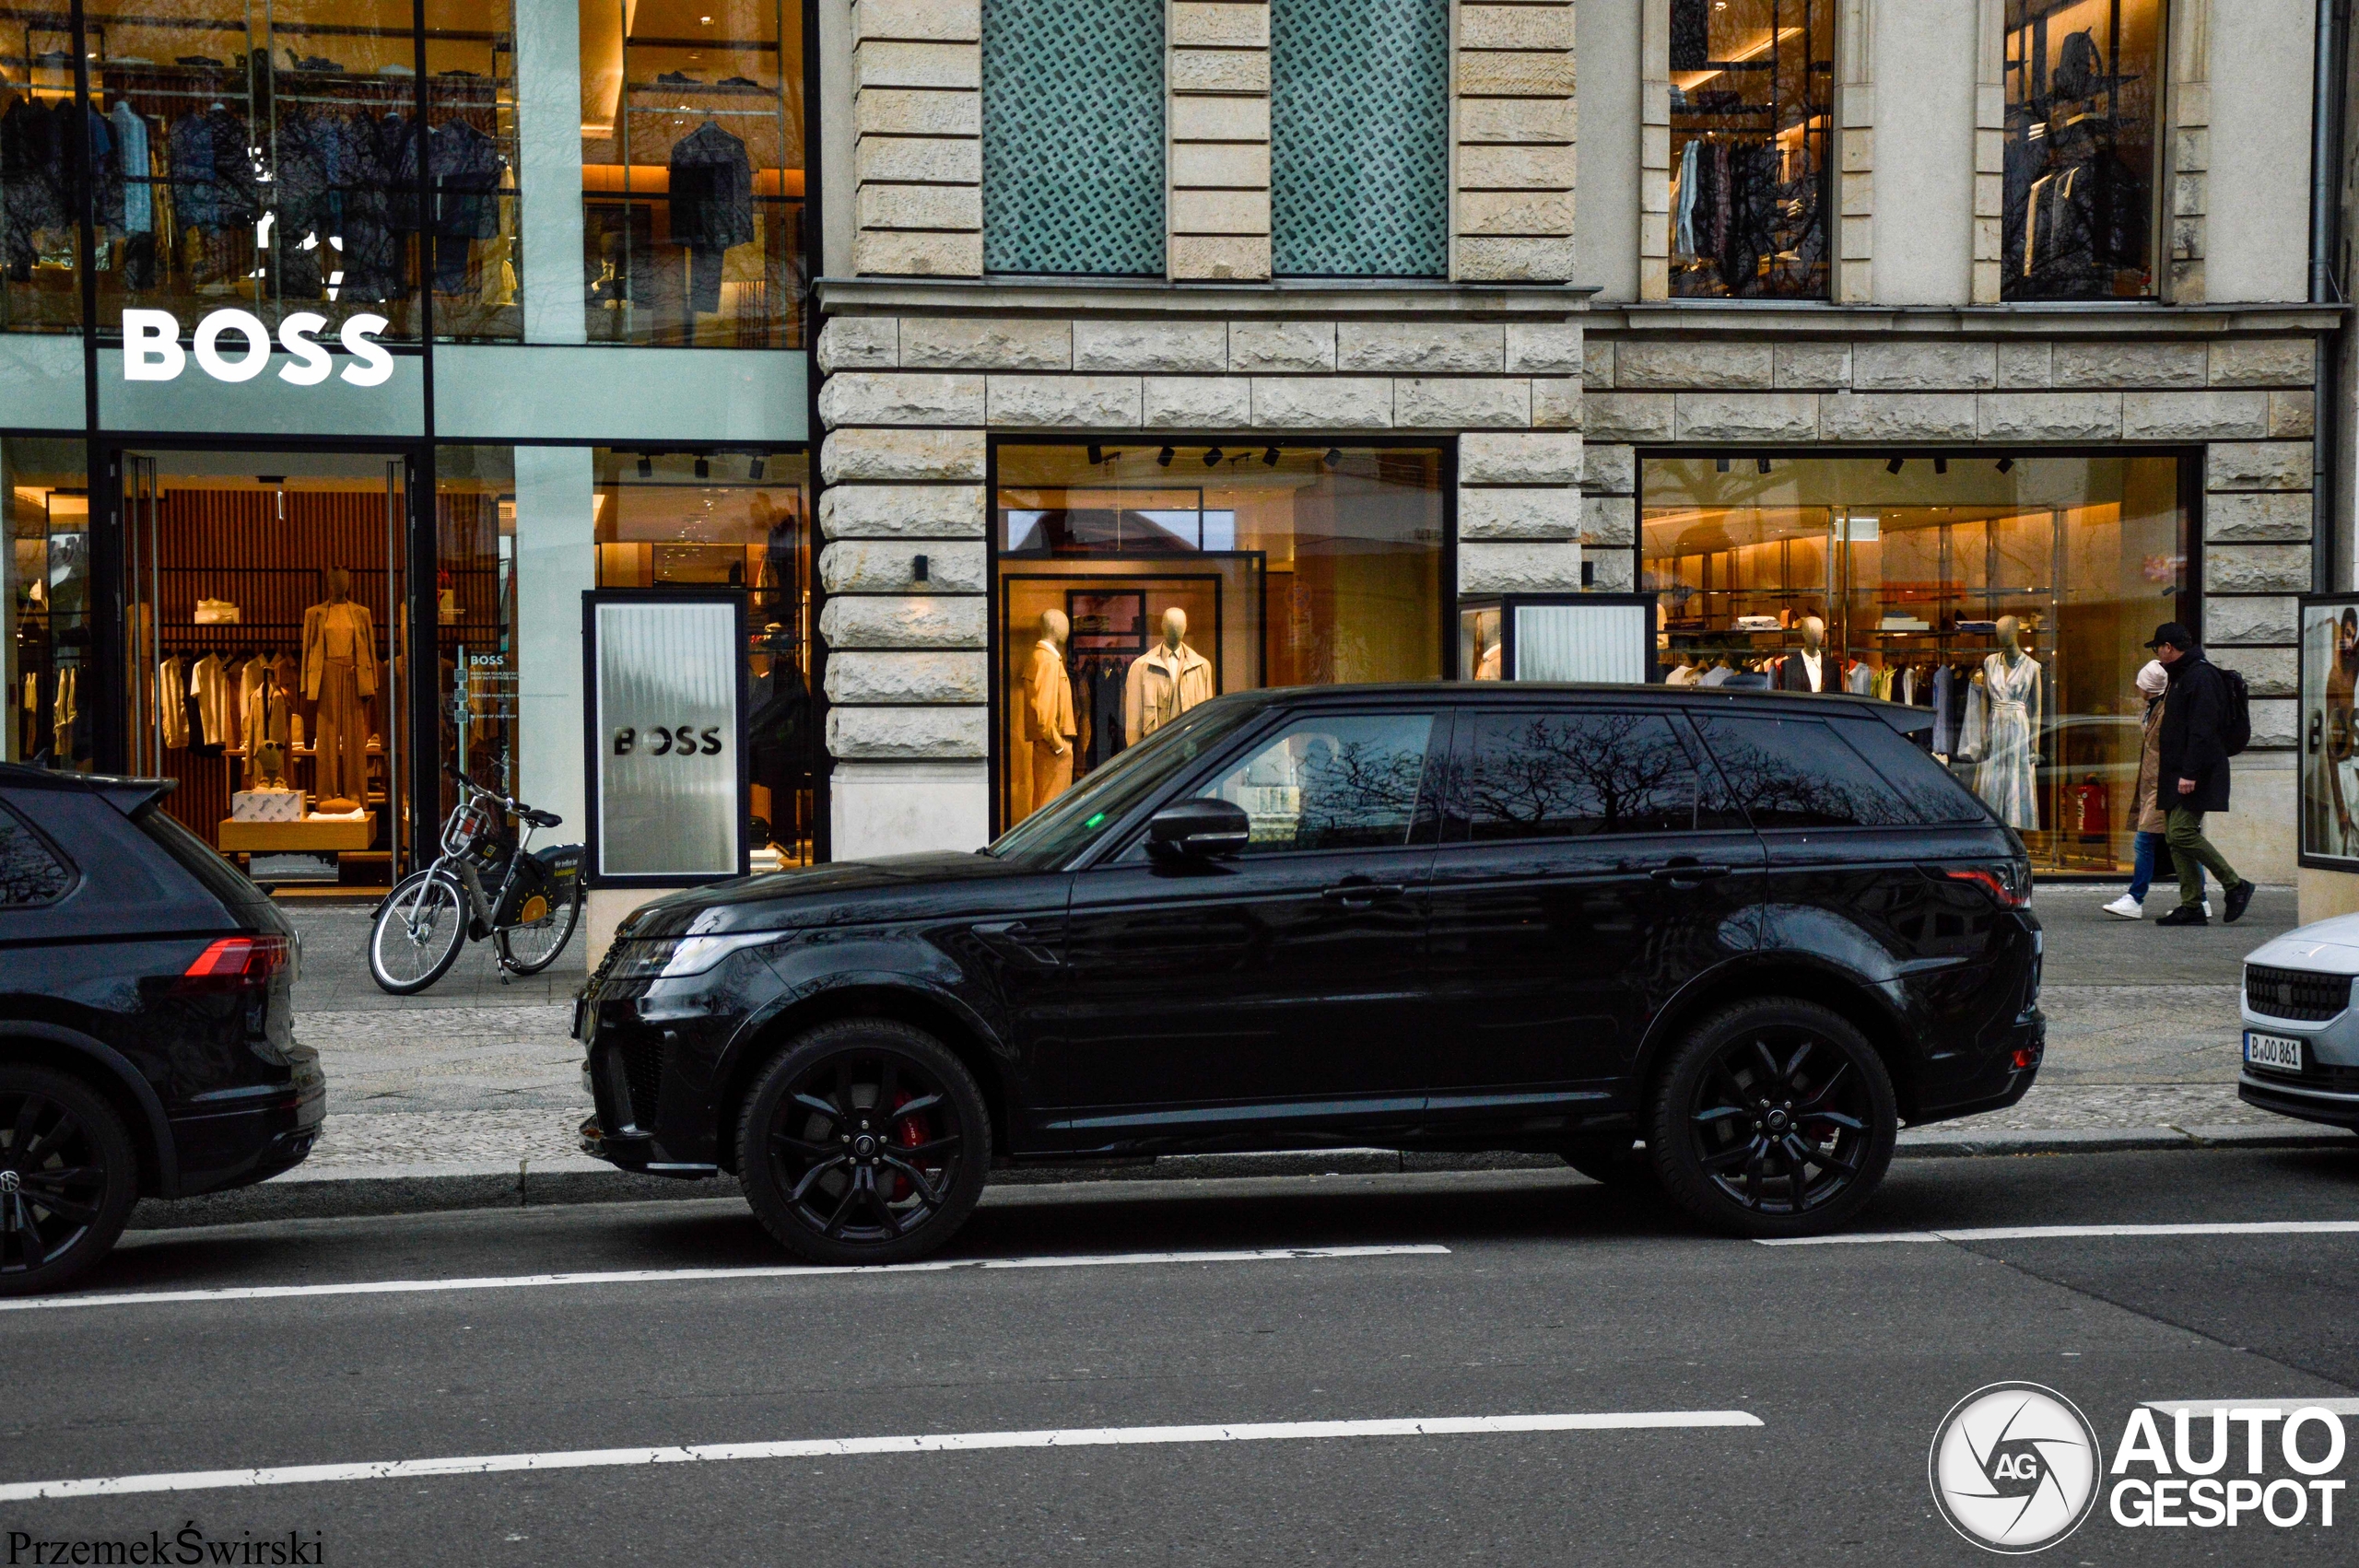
[[1198, 830]]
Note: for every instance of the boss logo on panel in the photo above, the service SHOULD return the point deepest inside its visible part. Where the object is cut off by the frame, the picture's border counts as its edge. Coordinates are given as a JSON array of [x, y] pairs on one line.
[[152, 352]]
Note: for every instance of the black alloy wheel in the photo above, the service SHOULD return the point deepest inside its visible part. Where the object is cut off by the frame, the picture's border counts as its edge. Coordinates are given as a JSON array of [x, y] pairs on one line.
[[864, 1141], [1774, 1118], [68, 1177]]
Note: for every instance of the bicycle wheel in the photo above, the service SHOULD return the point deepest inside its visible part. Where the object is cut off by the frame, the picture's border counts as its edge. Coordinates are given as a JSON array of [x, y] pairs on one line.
[[421, 928], [531, 946]]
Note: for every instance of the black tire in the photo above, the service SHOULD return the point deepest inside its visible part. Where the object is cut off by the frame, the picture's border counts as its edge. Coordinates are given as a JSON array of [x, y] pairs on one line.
[[1620, 1164], [1773, 1119], [60, 1141], [529, 948], [863, 1141], [403, 964]]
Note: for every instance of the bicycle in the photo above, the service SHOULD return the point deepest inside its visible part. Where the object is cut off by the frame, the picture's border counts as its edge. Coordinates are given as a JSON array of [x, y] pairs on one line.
[[423, 923]]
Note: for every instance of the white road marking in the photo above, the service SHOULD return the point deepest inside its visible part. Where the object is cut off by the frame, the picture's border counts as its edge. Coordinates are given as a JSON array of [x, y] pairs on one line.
[[2282, 1407], [2039, 1232], [672, 1276], [848, 1447]]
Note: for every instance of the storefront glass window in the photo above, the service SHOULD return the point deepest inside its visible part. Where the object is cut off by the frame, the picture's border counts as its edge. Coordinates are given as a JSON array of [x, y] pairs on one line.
[[2010, 596], [2084, 91], [1752, 82], [39, 249], [692, 167], [49, 634], [1164, 576], [525, 531], [264, 635]]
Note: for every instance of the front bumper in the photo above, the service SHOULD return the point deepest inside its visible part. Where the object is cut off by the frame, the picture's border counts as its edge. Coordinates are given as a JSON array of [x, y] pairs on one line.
[[637, 1152], [2332, 1107]]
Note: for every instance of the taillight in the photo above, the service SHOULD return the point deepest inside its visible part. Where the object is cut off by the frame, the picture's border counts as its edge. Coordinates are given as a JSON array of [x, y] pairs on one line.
[[239, 961], [2005, 888]]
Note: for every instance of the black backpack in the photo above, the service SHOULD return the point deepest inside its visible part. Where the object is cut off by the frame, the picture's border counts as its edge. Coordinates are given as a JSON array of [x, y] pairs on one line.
[[2235, 717]]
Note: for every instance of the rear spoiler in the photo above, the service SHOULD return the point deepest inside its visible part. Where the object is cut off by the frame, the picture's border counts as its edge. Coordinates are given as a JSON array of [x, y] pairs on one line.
[[132, 797]]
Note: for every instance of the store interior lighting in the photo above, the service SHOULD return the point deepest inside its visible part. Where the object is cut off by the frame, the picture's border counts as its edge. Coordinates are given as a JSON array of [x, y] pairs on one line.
[[1720, 465], [704, 469], [1163, 458], [1333, 457], [2006, 465], [646, 466], [1097, 454], [754, 468], [1761, 464], [1940, 466], [1895, 466], [1270, 457], [1213, 457]]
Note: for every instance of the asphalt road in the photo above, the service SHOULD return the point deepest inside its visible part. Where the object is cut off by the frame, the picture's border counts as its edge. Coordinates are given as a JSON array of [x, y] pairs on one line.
[[1538, 1294]]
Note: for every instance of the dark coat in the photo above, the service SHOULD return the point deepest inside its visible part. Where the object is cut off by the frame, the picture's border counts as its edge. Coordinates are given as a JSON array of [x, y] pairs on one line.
[[1793, 675], [2195, 710]]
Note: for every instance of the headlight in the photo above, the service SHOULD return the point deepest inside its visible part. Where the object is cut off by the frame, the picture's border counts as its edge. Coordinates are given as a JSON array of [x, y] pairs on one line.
[[671, 957]]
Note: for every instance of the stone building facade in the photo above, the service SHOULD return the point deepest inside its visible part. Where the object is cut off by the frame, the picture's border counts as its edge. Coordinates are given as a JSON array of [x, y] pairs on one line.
[[1549, 356]]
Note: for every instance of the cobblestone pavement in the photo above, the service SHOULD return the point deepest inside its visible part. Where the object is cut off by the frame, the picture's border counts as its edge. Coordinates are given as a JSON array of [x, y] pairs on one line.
[[2143, 1033]]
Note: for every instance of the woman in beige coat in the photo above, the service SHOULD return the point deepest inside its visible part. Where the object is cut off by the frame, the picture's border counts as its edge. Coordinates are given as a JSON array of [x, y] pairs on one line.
[[2147, 815]]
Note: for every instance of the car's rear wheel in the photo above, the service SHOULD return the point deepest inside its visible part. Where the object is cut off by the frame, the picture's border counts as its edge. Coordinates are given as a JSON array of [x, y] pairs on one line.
[[68, 1177], [863, 1141], [1773, 1119]]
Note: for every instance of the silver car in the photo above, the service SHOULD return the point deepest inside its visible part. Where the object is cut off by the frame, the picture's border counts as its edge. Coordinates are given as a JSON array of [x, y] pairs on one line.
[[2301, 1044]]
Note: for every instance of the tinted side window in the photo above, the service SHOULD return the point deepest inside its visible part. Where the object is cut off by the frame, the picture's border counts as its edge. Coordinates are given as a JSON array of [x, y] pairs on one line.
[[1797, 772], [1332, 782], [1571, 775], [1925, 784], [32, 871]]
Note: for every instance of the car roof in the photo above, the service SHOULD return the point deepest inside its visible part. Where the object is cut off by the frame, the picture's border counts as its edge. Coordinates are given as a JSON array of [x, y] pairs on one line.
[[1509, 693], [127, 795]]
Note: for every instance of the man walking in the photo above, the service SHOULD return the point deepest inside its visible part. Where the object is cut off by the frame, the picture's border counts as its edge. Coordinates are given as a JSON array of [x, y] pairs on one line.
[[2194, 773]]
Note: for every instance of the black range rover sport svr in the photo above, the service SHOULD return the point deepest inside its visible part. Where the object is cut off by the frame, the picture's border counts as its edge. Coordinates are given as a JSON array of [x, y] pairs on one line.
[[1727, 942]]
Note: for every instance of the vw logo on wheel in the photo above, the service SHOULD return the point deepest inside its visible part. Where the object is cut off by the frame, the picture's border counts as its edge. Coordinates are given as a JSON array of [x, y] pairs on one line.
[[9, 1182], [2014, 1467]]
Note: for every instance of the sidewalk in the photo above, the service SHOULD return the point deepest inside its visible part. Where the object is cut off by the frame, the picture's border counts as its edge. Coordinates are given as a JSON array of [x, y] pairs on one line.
[[471, 1093]]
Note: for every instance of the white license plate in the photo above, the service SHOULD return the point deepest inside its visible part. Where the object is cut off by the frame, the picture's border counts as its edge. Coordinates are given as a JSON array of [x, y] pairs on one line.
[[2273, 1050]]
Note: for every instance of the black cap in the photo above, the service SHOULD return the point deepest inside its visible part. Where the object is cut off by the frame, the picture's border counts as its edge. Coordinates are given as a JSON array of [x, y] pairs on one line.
[[2171, 632]]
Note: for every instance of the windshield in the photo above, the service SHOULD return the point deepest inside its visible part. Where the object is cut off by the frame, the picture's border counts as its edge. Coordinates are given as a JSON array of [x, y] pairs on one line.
[[1053, 835]]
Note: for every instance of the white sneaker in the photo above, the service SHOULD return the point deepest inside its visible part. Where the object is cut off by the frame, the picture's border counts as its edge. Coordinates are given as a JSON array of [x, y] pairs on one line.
[[2127, 909]]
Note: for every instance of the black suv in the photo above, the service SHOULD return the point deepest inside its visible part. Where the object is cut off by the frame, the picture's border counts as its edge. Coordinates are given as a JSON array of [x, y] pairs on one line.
[[1755, 931], [146, 1022]]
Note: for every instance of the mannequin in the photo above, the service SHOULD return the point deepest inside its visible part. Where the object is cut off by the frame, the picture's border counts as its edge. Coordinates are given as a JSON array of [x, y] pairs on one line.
[[339, 673], [2008, 684], [1165, 682], [1048, 710], [1487, 667], [1811, 669]]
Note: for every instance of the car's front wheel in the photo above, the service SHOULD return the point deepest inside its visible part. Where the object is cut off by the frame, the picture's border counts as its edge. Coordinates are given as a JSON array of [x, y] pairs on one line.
[[863, 1141], [68, 1177], [1773, 1119]]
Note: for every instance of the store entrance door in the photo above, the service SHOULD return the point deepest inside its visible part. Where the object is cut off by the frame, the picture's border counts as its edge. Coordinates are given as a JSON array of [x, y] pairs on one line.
[[266, 630]]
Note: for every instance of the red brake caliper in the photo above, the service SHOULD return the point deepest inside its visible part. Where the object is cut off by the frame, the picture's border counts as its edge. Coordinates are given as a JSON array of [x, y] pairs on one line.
[[910, 1132]]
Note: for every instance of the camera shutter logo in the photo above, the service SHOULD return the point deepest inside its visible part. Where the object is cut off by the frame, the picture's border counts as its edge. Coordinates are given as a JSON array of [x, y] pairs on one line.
[[2014, 1467]]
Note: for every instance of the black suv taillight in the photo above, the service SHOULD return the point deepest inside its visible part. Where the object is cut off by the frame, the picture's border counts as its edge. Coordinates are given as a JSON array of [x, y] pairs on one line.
[[2007, 885], [237, 962]]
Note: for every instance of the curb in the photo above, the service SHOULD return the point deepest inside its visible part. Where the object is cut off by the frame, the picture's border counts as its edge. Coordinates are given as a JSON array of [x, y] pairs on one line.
[[359, 1192]]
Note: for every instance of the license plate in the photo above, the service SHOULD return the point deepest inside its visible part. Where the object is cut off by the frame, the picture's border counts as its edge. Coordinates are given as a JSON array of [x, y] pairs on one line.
[[2273, 1050]]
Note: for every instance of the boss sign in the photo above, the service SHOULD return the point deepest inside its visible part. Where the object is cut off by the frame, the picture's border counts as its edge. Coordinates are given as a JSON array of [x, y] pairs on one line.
[[152, 352]]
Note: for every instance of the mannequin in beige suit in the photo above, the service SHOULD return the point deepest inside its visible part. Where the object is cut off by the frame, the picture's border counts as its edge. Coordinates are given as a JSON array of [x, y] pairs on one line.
[[1165, 682], [339, 673], [1048, 710]]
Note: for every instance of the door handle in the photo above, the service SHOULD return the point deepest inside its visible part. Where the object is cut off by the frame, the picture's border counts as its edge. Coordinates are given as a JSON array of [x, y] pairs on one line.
[[1682, 875], [1360, 895]]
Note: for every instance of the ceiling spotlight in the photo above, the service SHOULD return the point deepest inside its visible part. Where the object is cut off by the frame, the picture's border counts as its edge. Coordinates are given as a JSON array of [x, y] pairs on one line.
[[1333, 457], [1163, 458], [704, 469], [1270, 457], [1212, 457], [1720, 463], [2006, 465], [1097, 454], [1940, 466], [754, 468], [646, 466], [1894, 466], [1761, 463]]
